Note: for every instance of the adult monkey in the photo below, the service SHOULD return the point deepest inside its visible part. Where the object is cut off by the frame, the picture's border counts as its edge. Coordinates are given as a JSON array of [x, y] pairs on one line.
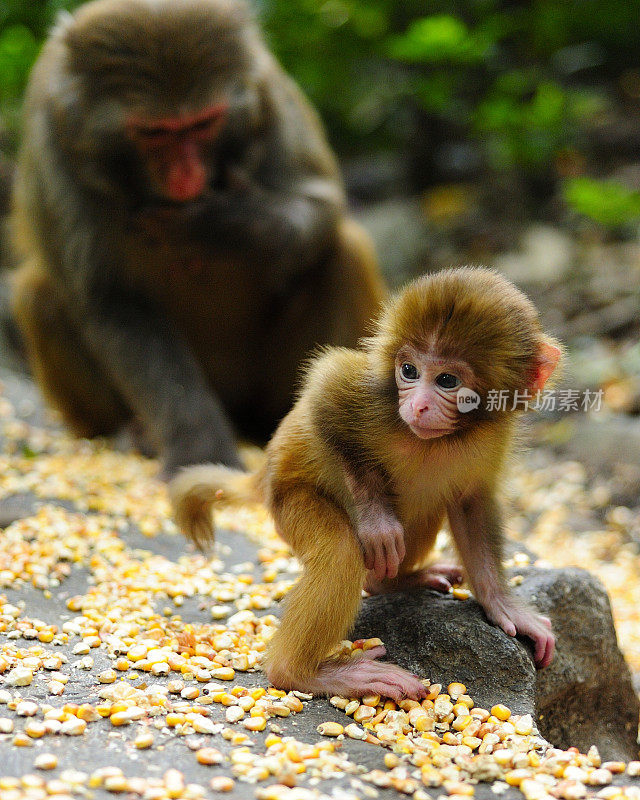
[[184, 222]]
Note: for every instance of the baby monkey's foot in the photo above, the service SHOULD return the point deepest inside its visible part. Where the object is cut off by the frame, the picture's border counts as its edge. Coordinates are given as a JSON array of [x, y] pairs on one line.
[[355, 677], [515, 619], [365, 675], [440, 577]]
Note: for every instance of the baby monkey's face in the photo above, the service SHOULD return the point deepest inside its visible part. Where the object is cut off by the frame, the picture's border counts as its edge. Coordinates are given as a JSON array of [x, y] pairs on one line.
[[428, 386]]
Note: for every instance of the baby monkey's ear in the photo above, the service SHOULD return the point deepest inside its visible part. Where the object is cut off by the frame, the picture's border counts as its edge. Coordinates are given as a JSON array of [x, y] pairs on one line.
[[544, 364]]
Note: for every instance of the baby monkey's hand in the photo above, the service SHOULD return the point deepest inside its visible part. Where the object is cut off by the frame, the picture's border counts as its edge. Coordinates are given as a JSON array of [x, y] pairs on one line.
[[382, 540]]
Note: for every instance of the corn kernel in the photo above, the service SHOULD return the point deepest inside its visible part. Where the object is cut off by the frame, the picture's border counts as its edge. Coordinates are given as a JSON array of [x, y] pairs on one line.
[[116, 783], [221, 783], [351, 707], [330, 729], [524, 726], [143, 740], [108, 676], [223, 673], [255, 723], [209, 756], [45, 761], [35, 729], [501, 712], [364, 713], [515, 776]]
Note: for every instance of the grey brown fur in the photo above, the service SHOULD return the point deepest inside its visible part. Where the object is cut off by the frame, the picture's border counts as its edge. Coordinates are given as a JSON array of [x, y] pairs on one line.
[[191, 318]]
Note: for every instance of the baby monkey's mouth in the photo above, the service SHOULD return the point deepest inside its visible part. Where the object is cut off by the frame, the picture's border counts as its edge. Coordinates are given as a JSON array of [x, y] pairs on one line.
[[429, 432]]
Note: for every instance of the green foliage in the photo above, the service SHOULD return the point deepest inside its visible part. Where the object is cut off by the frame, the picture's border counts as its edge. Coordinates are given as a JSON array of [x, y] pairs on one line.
[[439, 39], [606, 202], [336, 51], [522, 80], [502, 74], [18, 48], [23, 26], [475, 76]]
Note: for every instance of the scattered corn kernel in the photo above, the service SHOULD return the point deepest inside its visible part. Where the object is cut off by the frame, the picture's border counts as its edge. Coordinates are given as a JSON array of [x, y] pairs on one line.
[[234, 714], [45, 761], [221, 783], [524, 726], [6, 725], [143, 740], [501, 712], [255, 723], [330, 729], [209, 756], [35, 729], [223, 673], [354, 731]]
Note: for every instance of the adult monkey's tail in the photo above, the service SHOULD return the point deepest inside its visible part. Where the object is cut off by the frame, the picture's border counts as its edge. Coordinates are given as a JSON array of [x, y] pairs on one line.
[[197, 491]]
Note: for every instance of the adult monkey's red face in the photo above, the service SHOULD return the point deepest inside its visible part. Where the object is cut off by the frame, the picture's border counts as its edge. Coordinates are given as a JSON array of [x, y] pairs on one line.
[[175, 150], [155, 85]]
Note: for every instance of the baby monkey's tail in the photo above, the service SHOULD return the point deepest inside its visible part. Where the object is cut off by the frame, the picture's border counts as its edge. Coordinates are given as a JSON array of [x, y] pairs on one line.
[[196, 491]]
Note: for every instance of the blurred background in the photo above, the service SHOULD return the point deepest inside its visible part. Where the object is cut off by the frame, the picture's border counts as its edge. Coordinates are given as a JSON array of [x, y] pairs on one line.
[[497, 133], [493, 132]]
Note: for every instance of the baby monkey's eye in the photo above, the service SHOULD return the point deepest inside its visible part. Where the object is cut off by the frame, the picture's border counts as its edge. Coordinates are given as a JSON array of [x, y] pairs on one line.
[[409, 371], [448, 381]]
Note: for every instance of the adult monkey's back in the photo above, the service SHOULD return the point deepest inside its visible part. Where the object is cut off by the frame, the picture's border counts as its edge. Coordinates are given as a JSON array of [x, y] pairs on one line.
[[184, 224]]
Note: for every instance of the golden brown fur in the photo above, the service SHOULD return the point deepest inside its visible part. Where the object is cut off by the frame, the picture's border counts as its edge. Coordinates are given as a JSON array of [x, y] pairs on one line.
[[343, 450]]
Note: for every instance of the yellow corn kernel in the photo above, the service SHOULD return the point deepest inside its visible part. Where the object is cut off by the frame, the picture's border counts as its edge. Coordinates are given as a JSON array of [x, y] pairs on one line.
[[424, 723], [460, 723], [501, 712], [515, 776], [143, 740], [471, 741], [255, 723], [330, 729], [221, 783]]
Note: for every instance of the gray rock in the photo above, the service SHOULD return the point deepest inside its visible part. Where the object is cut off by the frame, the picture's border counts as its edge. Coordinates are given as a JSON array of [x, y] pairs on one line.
[[585, 697]]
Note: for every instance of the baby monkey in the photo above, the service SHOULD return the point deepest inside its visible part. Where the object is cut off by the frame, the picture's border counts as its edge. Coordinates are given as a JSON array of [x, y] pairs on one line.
[[377, 451]]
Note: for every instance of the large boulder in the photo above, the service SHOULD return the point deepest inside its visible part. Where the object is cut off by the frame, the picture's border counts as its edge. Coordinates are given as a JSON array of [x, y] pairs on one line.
[[585, 697]]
